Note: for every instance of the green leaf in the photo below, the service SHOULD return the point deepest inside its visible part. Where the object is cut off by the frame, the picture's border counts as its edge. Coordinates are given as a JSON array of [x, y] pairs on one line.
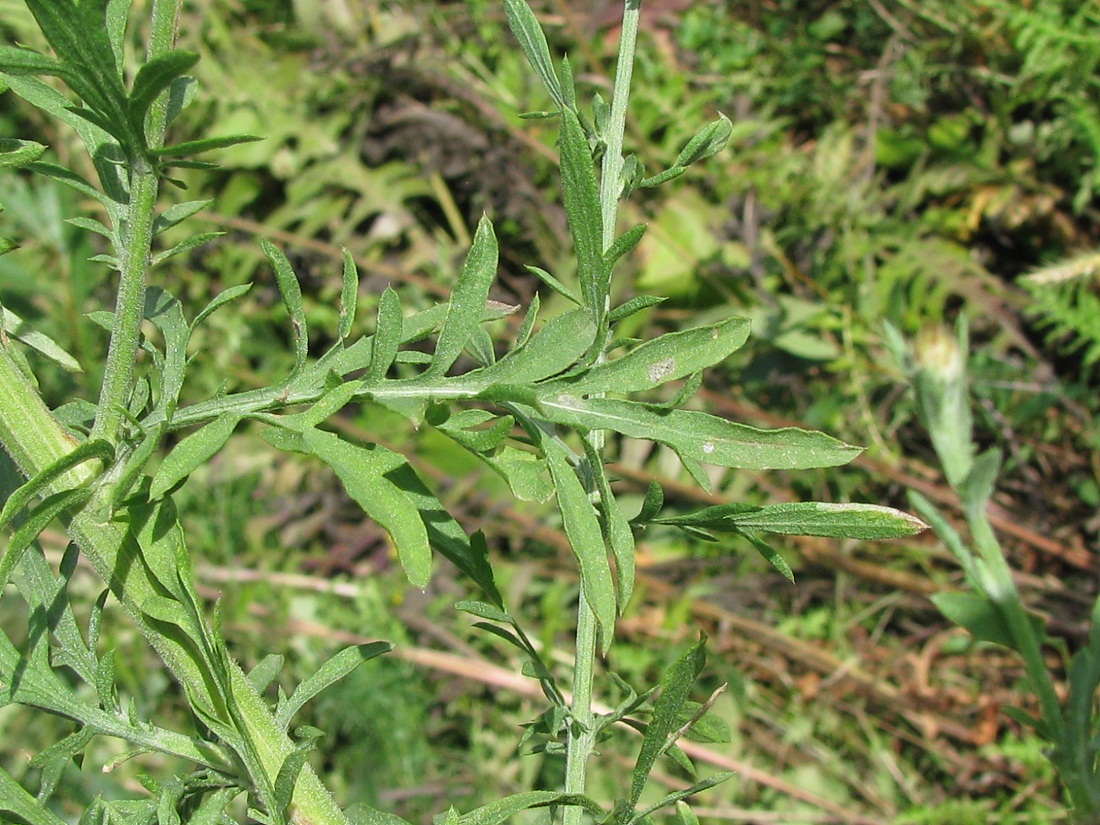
[[387, 336], [91, 450], [698, 436], [218, 301], [194, 147], [361, 814], [552, 350], [710, 140], [484, 610], [616, 529], [193, 452], [528, 31], [771, 555], [261, 676], [581, 194], [675, 797], [155, 77], [582, 528], [349, 295], [624, 244], [38, 520], [807, 518], [15, 153], [555, 284], [365, 474], [978, 614], [977, 488], [468, 299], [16, 802], [291, 292], [668, 708], [329, 674], [176, 214], [669, 357], [504, 809], [166, 314], [19, 329]]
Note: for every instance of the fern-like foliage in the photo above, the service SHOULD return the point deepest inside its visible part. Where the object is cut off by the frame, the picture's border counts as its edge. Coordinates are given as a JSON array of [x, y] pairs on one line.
[[1068, 306]]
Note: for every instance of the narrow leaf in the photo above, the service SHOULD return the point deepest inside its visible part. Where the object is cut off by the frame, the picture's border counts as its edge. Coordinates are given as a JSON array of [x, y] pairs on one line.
[[387, 336], [503, 810], [291, 292], [554, 284], [700, 437], [771, 555], [624, 244], [581, 194], [192, 452], [467, 300], [528, 31], [807, 518], [349, 295], [194, 147], [19, 329], [154, 77], [15, 153], [675, 688], [218, 301], [978, 614], [176, 214], [329, 674], [88, 451], [582, 528]]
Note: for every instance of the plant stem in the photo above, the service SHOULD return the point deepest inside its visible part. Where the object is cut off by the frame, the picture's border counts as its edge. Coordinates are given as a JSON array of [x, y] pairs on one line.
[[610, 183], [582, 735]]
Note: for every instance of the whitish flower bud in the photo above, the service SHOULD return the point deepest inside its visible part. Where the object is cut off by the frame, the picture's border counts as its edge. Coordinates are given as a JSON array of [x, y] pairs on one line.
[[940, 380]]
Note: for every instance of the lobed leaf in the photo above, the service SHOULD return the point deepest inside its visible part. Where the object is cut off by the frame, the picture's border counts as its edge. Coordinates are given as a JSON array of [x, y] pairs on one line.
[[365, 474]]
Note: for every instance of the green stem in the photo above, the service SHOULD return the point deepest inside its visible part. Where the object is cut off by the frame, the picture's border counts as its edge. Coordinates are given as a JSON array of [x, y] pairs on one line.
[[610, 183], [581, 738]]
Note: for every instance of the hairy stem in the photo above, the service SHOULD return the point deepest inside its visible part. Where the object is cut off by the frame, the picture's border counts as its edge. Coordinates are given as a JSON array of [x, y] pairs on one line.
[[582, 738]]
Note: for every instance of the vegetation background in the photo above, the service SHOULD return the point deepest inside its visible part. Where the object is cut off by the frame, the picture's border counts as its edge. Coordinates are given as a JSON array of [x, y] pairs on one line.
[[892, 160]]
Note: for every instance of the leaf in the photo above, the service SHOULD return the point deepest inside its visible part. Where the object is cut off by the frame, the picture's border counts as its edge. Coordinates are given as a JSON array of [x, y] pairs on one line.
[[192, 452], [166, 314], [16, 801], [504, 809], [581, 194], [387, 336], [624, 244], [669, 357], [291, 292], [176, 214], [15, 153], [554, 284], [771, 555], [675, 797], [807, 518], [528, 31], [329, 674], [365, 474], [553, 349], [698, 436], [360, 814], [261, 676], [155, 77], [484, 610], [90, 450], [194, 147], [349, 295], [976, 613], [218, 301], [616, 529], [468, 299], [710, 140], [675, 688], [586, 540], [19, 329]]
